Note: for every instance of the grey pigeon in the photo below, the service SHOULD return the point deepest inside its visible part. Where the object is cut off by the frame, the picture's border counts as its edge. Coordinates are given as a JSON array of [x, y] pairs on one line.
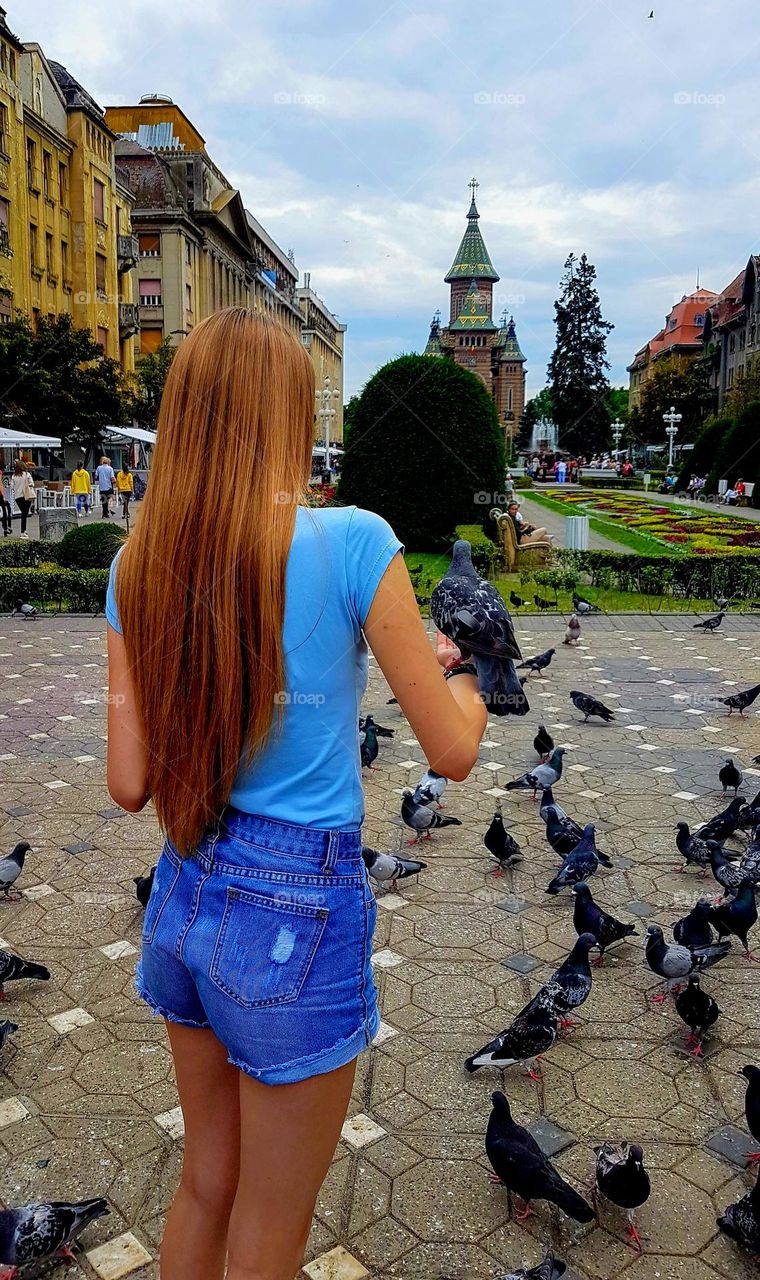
[[730, 776], [588, 917], [430, 788], [724, 824], [695, 850], [41, 1231], [728, 874], [421, 818], [6, 1029], [737, 916], [502, 846], [590, 706], [579, 864], [675, 962], [469, 611], [550, 1269], [710, 624], [573, 631], [519, 1163], [699, 1011], [584, 607], [741, 1221], [368, 744], [749, 864], [532, 1032], [13, 968], [622, 1179], [11, 868], [694, 930], [570, 985], [544, 775], [388, 868], [540, 663], [738, 701], [27, 611]]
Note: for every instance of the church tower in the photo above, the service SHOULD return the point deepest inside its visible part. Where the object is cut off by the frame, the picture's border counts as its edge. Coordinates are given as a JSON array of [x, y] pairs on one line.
[[471, 337]]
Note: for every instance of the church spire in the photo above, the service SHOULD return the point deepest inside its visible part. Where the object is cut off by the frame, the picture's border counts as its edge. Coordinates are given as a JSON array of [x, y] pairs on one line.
[[472, 260]]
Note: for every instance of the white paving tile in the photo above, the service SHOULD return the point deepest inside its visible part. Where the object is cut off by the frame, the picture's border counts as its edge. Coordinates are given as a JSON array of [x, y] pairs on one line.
[[56, 784], [84, 759], [493, 765], [579, 768], [117, 950], [70, 1020], [118, 1257], [385, 1032], [360, 1130], [11, 1111], [338, 1264], [410, 764], [172, 1122], [392, 902], [495, 791], [386, 959], [637, 727], [36, 891], [663, 768], [685, 795], [591, 795]]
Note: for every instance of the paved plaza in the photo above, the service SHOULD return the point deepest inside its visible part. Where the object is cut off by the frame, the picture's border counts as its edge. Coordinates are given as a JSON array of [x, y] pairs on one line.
[[87, 1100]]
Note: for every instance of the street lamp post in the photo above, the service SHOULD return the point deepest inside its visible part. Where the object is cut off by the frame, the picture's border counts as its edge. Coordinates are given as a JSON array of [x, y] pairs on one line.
[[671, 431], [326, 414], [617, 431]]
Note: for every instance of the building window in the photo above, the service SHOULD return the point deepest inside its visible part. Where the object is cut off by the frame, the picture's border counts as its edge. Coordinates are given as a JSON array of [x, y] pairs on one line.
[[118, 220], [509, 400], [102, 339], [4, 138], [150, 246], [732, 342], [65, 263], [150, 293], [731, 377], [33, 257], [742, 339], [150, 341], [47, 181], [188, 297], [188, 253], [12, 64], [49, 261], [31, 164], [672, 323], [100, 273], [99, 201], [3, 58], [63, 185], [699, 320], [5, 217], [35, 319]]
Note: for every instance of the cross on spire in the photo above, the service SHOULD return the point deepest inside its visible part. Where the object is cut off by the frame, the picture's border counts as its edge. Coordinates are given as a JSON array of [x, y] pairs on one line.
[[473, 184]]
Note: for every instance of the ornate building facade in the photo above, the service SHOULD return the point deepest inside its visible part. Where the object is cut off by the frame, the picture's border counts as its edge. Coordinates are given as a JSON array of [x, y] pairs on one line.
[[322, 335], [491, 351], [732, 330], [679, 341]]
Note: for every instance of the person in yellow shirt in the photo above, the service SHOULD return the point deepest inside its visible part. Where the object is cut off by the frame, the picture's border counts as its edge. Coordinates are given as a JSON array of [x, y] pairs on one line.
[[125, 487], [81, 488]]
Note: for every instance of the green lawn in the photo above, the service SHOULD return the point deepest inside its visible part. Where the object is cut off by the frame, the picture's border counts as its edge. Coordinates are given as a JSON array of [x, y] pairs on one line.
[[615, 530]]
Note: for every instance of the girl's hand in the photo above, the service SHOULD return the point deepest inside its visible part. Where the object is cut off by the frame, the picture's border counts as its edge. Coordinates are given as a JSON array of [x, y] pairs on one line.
[[445, 650]]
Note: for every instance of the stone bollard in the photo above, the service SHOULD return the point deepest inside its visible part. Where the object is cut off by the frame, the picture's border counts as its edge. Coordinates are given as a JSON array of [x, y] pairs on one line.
[[55, 522]]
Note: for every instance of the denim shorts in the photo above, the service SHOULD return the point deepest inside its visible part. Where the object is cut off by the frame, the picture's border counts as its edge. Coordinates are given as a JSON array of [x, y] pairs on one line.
[[264, 934]]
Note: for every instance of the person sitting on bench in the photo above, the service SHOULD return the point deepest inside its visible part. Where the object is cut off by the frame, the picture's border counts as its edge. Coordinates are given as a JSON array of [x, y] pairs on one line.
[[526, 533]]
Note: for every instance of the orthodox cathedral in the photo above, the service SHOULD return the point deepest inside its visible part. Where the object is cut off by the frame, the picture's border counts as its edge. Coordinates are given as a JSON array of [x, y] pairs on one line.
[[471, 337]]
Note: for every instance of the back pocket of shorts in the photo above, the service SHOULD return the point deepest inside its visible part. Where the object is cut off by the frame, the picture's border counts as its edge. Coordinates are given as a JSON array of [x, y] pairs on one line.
[[265, 948]]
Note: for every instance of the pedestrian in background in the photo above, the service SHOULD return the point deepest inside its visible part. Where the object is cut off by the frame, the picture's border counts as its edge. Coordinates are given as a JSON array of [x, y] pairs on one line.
[[22, 488], [105, 476], [81, 488], [6, 514], [125, 487]]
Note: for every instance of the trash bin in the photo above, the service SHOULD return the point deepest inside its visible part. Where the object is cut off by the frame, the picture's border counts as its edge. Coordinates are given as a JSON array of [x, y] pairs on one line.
[[576, 533]]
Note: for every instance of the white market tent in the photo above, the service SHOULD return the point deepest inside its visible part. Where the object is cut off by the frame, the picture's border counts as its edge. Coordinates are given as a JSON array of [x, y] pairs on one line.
[[132, 433], [11, 439]]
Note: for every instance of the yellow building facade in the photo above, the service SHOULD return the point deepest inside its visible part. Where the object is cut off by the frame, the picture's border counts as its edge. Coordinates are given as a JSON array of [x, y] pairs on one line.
[[66, 246]]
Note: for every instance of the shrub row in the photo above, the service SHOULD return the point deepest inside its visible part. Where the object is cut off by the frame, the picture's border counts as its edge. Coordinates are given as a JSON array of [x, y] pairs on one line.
[[92, 546], [72, 590], [611, 482], [736, 575]]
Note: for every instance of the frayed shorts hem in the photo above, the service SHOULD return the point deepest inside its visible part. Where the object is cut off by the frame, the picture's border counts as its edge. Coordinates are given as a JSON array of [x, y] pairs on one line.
[[159, 1011], [317, 1064]]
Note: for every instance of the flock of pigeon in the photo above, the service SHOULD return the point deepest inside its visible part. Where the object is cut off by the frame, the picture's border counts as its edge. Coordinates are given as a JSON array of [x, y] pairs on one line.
[[470, 612]]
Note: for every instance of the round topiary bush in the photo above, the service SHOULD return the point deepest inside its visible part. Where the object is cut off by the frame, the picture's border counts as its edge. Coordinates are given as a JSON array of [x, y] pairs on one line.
[[93, 546], [425, 451]]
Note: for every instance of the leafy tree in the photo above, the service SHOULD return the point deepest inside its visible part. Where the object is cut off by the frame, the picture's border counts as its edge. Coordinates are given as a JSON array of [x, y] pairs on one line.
[[150, 378], [700, 459], [425, 450], [578, 368], [618, 404], [746, 388], [738, 454], [669, 384], [349, 414]]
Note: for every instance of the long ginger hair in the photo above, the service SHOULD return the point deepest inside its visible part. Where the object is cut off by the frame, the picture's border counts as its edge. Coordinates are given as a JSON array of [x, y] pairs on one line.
[[201, 582]]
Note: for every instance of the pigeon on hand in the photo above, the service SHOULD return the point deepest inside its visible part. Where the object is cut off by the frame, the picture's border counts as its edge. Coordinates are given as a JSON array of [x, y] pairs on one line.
[[27, 611], [590, 706], [540, 603], [694, 849], [730, 776], [741, 1221], [538, 664], [550, 1269], [519, 1163], [530, 1035], [544, 775], [13, 968], [588, 917], [694, 930], [41, 1231], [710, 624], [570, 985], [143, 886], [388, 868], [622, 1179], [421, 818], [368, 744], [584, 607], [502, 846], [470, 611], [543, 743], [737, 916], [579, 864], [728, 874], [6, 1029], [11, 868], [430, 788], [675, 962], [573, 632], [752, 1106], [738, 701], [699, 1011], [724, 824]]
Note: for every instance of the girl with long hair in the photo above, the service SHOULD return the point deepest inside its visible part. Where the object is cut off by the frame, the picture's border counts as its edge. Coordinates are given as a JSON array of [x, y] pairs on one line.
[[237, 664]]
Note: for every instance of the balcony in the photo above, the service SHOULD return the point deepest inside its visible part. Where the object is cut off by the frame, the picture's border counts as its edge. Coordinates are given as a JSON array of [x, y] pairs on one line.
[[127, 252], [129, 319]]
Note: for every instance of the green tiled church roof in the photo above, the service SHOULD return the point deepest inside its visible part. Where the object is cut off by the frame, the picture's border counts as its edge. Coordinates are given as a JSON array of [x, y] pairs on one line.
[[433, 347], [507, 344], [472, 260], [475, 311]]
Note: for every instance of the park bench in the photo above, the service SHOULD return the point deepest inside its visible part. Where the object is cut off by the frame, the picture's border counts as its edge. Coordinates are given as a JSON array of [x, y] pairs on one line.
[[517, 556]]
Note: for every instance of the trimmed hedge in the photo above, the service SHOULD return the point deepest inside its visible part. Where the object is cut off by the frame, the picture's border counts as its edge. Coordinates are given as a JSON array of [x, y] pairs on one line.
[[610, 482], [486, 555], [72, 590], [692, 577], [91, 546], [15, 553]]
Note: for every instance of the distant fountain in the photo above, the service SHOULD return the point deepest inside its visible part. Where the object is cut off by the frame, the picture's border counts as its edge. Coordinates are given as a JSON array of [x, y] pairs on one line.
[[544, 438]]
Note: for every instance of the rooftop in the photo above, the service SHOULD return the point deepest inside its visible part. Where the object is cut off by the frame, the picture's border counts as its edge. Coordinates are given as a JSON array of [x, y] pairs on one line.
[[472, 260]]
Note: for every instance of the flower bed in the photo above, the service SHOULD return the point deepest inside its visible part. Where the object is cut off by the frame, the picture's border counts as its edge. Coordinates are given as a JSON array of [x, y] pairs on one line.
[[680, 527]]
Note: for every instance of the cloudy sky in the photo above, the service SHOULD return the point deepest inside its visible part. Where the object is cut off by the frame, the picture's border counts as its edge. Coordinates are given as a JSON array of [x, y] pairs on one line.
[[353, 127]]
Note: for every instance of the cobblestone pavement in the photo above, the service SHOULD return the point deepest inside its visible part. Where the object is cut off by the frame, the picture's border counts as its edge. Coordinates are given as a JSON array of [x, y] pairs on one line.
[[87, 1100]]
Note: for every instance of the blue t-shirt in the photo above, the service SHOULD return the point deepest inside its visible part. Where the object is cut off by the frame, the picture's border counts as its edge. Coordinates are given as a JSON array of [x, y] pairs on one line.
[[310, 771], [105, 477]]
